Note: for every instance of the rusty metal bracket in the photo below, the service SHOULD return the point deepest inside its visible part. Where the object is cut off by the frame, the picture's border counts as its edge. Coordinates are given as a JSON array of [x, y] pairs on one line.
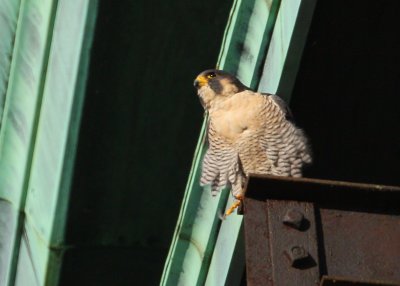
[[297, 230]]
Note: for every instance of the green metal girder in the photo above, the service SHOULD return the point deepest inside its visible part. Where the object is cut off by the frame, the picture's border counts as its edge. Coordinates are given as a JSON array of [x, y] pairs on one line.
[[204, 250], [247, 37], [44, 95], [9, 11], [23, 96], [57, 132], [8, 226], [286, 48]]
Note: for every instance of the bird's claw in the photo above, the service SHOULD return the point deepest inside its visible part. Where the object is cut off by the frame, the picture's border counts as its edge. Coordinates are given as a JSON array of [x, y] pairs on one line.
[[234, 206]]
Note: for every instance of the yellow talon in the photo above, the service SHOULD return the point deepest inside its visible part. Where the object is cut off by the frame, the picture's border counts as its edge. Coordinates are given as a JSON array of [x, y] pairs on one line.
[[234, 206]]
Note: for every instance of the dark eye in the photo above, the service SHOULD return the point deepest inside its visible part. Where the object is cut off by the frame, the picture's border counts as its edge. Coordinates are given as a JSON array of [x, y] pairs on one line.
[[211, 75]]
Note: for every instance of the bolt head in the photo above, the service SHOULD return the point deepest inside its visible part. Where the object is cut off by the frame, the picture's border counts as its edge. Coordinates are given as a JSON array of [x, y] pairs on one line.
[[293, 218], [297, 256]]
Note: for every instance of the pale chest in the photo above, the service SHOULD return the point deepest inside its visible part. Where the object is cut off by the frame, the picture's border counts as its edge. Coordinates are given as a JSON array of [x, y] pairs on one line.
[[239, 117]]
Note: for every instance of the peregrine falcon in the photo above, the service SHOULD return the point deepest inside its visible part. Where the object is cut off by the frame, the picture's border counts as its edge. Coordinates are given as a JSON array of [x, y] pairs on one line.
[[248, 132]]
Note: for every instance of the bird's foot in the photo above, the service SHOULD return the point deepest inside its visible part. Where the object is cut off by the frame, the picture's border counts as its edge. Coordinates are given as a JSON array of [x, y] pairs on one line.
[[235, 205]]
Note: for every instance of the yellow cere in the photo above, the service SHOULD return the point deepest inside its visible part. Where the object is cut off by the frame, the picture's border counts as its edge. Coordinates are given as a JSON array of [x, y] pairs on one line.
[[202, 80]]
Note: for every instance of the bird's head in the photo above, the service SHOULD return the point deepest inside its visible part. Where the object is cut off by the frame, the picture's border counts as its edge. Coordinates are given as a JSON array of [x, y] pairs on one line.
[[213, 85]]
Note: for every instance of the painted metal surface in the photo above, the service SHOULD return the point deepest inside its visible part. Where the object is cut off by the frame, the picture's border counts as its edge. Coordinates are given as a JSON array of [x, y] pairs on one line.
[[8, 225], [345, 230], [55, 146], [23, 97], [286, 48], [9, 11], [43, 89]]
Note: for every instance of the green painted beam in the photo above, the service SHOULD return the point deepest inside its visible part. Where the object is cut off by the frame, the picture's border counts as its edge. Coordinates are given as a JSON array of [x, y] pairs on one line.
[[27, 272], [23, 97], [258, 36], [244, 52], [228, 259], [296, 46], [286, 47], [236, 28], [57, 132], [8, 226], [9, 11]]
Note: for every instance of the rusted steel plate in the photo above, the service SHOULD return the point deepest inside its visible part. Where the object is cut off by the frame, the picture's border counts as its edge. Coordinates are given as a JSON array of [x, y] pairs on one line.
[[293, 243], [353, 230], [361, 245], [292, 246], [259, 269]]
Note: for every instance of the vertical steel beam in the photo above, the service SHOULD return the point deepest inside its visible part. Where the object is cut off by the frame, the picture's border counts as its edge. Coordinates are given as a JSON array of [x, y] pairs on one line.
[[51, 172], [21, 111], [9, 14]]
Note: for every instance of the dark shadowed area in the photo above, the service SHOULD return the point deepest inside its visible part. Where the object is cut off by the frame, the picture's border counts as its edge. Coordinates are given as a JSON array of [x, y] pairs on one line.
[[140, 126], [347, 91]]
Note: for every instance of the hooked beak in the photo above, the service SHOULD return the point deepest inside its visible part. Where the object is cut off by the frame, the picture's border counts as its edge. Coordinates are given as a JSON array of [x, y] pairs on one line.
[[200, 81]]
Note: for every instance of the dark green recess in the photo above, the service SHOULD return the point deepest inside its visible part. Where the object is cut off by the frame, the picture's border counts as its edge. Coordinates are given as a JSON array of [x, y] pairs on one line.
[[140, 124]]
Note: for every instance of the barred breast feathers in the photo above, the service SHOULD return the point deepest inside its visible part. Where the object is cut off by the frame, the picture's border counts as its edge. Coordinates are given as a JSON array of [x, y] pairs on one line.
[[290, 145], [221, 165]]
